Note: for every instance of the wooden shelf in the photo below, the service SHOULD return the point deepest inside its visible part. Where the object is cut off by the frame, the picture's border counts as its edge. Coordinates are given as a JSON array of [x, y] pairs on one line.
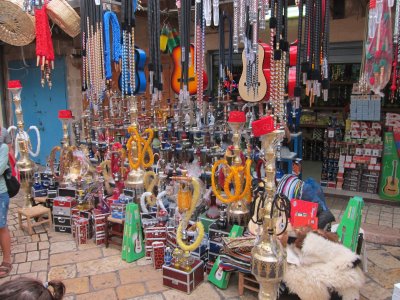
[[313, 126], [391, 109], [328, 108], [318, 126], [342, 82]]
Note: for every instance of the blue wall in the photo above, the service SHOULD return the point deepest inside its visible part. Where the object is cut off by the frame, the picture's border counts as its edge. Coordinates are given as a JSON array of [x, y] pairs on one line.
[[40, 106]]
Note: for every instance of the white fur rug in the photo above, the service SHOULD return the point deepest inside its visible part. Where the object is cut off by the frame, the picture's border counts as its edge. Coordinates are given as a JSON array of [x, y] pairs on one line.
[[323, 266]]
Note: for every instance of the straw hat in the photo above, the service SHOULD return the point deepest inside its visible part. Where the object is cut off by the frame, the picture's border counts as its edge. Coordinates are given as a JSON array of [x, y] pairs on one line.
[[61, 13], [16, 26]]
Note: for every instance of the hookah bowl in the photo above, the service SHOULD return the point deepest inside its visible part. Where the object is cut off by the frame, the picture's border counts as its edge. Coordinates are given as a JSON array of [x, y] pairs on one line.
[[25, 165]]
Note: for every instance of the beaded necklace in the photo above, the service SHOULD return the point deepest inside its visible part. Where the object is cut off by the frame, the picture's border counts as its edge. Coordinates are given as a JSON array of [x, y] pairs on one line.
[[199, 53]]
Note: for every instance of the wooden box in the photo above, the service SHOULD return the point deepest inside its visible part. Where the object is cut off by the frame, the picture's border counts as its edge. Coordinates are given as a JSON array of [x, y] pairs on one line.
[[181, 280]]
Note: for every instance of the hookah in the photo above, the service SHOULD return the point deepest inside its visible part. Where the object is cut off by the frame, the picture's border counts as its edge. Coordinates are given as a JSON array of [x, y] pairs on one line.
[[187, 202], [235, 174], [26, 167], [137, 147], [268, 256]]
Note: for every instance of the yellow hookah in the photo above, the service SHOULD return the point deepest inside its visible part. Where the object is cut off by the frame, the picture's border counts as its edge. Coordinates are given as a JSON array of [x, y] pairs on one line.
[[268, 262], [138, 147], [187, 202], [236, 175]]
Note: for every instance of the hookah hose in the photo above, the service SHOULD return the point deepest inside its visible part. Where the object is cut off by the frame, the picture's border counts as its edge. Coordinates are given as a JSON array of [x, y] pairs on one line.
[[149, 186], [235, 178], [255, 206], [199, 225], [142, 150], [282, 204], [111, 17]]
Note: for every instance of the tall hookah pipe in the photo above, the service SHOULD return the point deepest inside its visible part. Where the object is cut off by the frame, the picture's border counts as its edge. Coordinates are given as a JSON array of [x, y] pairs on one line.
[[25, 166], [21, 135]]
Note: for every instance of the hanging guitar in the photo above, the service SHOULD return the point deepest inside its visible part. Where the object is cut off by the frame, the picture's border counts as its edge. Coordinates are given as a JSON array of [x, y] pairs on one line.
[[267, 66], [177, 71], [140, 76], [252, 84]]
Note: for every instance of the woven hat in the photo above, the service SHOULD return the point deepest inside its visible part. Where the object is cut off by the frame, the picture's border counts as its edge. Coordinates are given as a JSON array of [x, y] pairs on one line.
[[61, 13], [16, 26]]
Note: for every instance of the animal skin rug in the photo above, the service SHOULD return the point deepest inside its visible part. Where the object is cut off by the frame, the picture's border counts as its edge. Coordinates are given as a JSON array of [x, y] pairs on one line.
[[324, 266]]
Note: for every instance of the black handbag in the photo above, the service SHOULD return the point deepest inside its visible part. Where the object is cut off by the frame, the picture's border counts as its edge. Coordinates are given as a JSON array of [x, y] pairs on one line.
[[12, 183]]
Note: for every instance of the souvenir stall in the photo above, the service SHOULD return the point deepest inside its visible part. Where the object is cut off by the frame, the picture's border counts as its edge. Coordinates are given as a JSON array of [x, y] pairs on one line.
[[202, 183]]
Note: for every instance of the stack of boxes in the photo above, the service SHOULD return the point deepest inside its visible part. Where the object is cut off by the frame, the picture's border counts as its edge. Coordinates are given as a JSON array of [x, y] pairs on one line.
[[154, 234], [360, 158], [99, 226], [365, 107], [62, 213]]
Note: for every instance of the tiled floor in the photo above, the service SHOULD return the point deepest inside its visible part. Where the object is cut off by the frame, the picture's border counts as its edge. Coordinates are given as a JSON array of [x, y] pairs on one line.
[[94, 272]]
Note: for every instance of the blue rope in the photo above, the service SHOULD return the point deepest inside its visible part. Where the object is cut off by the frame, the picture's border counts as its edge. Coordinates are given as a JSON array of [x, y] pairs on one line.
[[110, 16]]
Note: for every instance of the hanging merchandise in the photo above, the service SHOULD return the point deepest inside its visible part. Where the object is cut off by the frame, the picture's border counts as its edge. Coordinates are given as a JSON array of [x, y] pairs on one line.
[[93, 55], [112, 53], [202, 79], [17, 27], [30, 5], [314, 45], [165, 32], [394, 88], [379, 45], [155, 68], [62, 14], [44, 46], [252, 84]]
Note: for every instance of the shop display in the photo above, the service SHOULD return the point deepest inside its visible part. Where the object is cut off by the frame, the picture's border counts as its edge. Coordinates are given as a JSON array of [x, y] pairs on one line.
[[196, 179]]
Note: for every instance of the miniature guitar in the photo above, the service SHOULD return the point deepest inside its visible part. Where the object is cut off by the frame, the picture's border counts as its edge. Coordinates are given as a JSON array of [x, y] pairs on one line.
[[140, 76], [391, 187], [177, 71], [252, 84], [138, 241], [141, 82]]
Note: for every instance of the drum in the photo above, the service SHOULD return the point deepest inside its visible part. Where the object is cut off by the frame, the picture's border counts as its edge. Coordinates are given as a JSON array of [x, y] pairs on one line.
[[61, 13], [17, 27]]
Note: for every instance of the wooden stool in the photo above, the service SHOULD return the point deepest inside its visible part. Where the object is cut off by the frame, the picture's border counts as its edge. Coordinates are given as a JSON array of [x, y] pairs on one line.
[[34, 212], [247, 281], [110, 232]]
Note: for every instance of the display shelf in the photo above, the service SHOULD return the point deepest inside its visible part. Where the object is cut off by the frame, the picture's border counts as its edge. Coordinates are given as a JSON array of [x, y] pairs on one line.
[[391, 109], [317, 126], [327, 108], [367, 197]]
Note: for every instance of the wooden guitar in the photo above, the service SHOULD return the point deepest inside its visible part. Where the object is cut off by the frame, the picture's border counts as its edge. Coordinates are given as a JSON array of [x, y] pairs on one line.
[[391, 187], [257, 88], [177, 71]]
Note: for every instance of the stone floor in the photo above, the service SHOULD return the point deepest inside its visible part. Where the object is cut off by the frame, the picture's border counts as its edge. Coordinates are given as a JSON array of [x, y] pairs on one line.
[[94, 272]]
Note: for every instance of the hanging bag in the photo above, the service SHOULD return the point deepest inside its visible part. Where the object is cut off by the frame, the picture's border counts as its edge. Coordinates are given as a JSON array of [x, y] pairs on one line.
[[11, 182]]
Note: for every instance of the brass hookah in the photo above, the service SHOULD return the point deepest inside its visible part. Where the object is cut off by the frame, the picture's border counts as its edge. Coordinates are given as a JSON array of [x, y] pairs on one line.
[[137, 147], [268, 263], [236, 174], [73, 165], [26, 167], [187, 201]]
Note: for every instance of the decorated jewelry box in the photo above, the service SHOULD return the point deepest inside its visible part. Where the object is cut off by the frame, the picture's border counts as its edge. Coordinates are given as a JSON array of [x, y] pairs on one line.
[[184, 280]]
